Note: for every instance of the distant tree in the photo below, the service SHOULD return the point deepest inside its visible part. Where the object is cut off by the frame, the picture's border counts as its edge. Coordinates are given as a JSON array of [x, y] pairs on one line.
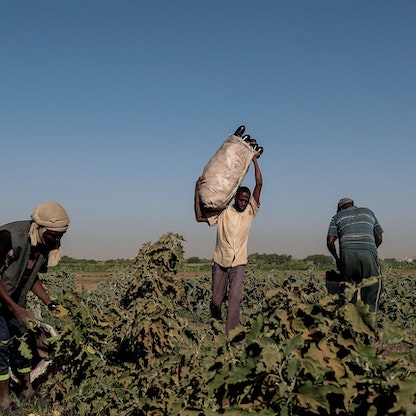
[[319, 260], [390, 260], [269, 259], [194, 259]]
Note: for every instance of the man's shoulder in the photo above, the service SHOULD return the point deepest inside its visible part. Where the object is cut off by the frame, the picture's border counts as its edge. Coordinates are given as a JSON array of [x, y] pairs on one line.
[[365, 209], [16, 225], [213, 216], [255, 206], [345, 213], [254, 202]]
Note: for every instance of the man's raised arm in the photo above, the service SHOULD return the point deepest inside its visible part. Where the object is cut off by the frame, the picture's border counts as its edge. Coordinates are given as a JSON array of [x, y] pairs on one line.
[[258, 178]]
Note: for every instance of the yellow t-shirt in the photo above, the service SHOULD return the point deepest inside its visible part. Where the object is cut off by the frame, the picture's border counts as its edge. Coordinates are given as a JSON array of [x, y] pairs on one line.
[[232, 234]]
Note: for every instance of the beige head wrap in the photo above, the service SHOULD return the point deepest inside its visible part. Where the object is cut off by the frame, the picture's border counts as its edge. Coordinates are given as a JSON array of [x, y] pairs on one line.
[[48, 216]]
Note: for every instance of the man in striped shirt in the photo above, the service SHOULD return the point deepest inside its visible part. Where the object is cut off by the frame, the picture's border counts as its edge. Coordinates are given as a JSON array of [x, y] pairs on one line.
[[359, 234]]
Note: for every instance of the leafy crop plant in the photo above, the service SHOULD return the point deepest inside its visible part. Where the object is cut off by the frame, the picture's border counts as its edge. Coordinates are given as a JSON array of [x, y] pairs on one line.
[[144, 343]]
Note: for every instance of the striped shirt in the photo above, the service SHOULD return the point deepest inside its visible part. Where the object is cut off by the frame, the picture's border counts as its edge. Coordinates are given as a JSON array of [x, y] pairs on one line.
[[355, 228]]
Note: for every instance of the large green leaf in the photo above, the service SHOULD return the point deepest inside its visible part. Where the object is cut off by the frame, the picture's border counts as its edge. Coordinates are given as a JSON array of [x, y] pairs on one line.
[[406, 394], [313, 398], [360, 318]]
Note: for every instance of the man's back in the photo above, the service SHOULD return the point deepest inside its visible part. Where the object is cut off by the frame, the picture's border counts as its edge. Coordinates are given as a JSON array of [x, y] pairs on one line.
[[355, 227]]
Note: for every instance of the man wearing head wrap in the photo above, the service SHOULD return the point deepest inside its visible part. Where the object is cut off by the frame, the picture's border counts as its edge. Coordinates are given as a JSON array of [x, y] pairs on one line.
[[26, 249], [359, 234]]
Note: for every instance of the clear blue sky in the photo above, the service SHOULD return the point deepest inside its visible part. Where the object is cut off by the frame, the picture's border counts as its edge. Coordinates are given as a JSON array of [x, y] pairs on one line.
[[113, 108]]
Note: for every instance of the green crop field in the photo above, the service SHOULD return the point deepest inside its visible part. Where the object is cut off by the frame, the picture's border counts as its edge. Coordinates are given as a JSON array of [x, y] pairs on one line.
[[136, 338]]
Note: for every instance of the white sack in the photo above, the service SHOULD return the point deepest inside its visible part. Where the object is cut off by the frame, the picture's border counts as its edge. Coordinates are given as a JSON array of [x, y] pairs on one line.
[[43, 352], [225, 172]]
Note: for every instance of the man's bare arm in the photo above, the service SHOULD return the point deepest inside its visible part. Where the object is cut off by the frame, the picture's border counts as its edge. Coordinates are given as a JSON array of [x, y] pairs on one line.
[[40, 292], [21, 314], [199, 216], [258, 178], [378, 239], [330, 243]]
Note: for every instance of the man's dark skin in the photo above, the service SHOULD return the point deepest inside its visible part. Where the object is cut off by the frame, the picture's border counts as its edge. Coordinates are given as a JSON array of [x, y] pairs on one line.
[[330, 242]]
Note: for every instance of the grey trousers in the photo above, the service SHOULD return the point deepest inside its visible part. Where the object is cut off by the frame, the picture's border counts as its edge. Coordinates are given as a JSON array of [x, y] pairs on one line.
[[230, 278], [361, 264], [370, 295]]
